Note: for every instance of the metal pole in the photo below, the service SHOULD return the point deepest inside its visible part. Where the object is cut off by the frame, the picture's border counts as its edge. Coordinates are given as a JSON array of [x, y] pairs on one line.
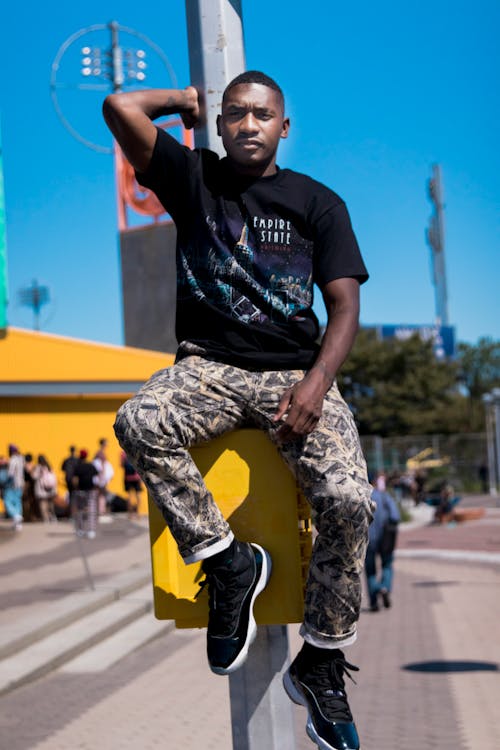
[[496, 418], [116, 58], [216, 56], [379, 453], [261, 713], [436, 240], [490, 444]]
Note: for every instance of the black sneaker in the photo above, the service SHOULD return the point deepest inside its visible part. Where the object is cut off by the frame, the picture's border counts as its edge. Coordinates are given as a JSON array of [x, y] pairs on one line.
[[315, 680], [386, 598], [232, 591]]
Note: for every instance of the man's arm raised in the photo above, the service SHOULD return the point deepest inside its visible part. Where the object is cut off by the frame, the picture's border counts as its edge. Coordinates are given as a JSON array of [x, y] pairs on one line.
[[130, 118]]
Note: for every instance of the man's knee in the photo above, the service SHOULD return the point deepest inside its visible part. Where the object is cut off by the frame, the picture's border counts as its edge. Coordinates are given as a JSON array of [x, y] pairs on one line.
[[348, 505], [135, 420]]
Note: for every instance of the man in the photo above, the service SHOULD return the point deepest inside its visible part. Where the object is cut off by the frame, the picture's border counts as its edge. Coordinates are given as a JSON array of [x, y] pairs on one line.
[[252, 240], [84, 496], [68, 467], [382, 537]]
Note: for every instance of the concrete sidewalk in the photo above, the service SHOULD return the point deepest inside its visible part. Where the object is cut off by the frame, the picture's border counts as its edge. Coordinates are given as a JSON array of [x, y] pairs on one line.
[[429, 665], [46, 562]]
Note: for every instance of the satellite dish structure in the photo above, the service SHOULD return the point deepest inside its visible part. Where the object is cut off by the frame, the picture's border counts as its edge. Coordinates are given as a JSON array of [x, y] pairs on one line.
[[98, 60]]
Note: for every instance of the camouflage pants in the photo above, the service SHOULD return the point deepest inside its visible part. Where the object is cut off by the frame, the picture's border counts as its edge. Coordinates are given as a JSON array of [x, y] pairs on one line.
[[197, 400]]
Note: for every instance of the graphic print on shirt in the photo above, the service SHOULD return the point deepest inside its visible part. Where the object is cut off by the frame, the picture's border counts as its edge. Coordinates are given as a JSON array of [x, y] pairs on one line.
[[257, 270]]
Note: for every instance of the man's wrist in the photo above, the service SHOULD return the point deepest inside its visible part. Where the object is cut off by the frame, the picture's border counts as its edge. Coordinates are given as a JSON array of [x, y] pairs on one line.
[[327, 373]]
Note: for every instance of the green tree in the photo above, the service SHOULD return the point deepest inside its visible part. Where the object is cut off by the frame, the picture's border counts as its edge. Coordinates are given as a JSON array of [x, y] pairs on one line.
[[478, 372], [399, 387]]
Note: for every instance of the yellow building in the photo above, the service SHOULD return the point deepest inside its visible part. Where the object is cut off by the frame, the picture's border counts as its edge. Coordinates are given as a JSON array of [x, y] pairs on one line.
[[57, 391]]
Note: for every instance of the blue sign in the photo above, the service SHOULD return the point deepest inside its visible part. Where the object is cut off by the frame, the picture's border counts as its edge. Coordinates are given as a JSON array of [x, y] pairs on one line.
[[442, 337]]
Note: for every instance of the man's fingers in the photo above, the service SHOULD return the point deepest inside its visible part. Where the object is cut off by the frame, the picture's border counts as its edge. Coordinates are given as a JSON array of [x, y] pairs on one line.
[[283, 405], [295, 428]]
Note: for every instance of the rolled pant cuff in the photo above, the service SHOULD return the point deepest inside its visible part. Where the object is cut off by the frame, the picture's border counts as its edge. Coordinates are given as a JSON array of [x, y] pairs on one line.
[[211, 549], [321, 640]]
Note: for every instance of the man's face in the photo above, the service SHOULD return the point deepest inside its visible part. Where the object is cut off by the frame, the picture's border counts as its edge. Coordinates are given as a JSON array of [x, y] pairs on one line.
[[251, 125]]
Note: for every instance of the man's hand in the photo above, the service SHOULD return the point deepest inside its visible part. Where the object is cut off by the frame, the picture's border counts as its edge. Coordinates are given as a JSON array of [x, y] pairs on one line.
[[301, 406], [191, 116]]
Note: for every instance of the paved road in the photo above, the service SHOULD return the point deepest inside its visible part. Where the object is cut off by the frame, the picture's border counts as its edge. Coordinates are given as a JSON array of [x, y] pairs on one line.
[[429, 666]]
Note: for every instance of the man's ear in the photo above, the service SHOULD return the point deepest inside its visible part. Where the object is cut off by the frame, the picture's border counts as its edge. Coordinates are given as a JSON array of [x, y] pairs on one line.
[[285, 128], [218, 124]]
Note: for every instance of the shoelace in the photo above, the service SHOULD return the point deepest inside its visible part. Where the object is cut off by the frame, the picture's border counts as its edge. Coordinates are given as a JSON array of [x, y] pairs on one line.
[[221, 609], [329, 679]]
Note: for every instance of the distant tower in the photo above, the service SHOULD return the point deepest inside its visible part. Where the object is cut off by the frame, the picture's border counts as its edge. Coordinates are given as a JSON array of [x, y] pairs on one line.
[[435, 239]]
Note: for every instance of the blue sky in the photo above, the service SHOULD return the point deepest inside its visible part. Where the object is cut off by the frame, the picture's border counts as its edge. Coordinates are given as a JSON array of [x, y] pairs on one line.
[[376, 92]]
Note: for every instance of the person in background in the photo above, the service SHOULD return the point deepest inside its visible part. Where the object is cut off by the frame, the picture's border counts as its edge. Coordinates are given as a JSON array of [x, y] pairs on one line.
[[381, 482], [419, 486], [84, 496], [132, 484], [68, 466], [104, 475], [382, 536], [31, 510], [13, 493], [45, 489]]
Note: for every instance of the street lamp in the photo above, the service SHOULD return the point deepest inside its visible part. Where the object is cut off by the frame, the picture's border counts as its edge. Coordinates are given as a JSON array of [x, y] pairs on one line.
[[112, 59], [117, 65]]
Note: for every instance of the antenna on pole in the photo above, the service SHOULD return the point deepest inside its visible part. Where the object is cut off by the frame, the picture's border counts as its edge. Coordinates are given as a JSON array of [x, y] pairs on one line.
[[435, 240], [35, 296]]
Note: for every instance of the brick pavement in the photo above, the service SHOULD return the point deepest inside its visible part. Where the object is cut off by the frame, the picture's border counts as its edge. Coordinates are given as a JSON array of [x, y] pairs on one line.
[[482, 535], [429, 669]]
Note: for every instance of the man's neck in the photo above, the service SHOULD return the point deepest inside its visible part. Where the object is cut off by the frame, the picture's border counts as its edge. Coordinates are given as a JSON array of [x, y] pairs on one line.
[[252, 172]]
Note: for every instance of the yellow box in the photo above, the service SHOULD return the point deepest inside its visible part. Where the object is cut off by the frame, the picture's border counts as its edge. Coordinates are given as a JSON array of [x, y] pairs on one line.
[[258, 495]]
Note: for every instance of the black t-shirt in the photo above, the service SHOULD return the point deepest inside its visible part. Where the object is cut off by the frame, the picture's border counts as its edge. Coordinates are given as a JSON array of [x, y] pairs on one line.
[[85, 472], [248, 253]]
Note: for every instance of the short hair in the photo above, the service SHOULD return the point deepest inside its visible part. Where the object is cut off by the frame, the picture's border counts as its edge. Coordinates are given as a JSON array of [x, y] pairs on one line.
[[255, 76]]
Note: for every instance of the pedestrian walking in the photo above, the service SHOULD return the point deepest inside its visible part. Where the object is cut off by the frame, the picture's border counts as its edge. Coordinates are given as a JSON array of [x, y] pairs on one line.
[[380, 552]]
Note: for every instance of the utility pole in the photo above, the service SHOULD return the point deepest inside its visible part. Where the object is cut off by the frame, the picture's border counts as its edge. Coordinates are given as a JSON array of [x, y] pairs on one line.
[[216, 56], [435, 239], [261, 713]]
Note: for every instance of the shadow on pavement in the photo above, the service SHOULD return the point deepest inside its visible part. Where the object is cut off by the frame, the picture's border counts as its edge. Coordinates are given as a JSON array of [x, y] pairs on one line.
[[452, 666]]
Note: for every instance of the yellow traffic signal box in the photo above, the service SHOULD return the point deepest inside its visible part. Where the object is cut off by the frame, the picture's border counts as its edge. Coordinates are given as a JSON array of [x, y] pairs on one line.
[[257, 494]]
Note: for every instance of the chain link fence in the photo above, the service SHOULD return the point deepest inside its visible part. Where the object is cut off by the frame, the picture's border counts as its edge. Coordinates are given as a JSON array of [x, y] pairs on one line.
[[460, 459]]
